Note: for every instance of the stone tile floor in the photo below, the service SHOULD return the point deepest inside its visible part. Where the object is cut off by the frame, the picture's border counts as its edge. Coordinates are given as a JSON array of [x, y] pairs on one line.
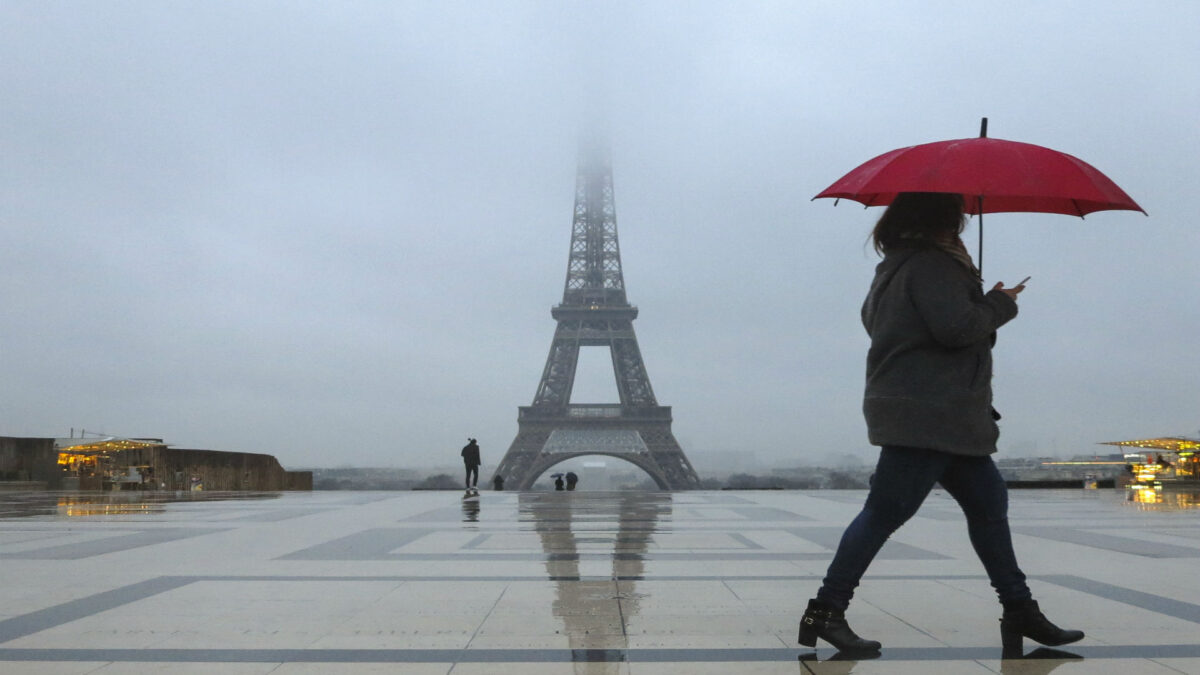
[[570, 582]]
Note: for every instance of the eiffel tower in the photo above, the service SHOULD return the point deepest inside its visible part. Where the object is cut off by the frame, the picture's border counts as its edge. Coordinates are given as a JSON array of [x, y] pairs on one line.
[[595, 312]]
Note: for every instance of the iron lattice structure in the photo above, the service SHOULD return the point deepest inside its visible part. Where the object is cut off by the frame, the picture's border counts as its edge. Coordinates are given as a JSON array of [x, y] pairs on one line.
[[595, 312]]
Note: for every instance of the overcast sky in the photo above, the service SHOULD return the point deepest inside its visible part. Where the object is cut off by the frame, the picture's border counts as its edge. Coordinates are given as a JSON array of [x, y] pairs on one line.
[[333, 232]]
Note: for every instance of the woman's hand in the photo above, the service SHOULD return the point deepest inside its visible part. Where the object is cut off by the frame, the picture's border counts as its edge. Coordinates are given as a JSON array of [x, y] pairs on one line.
[[1010, 292]]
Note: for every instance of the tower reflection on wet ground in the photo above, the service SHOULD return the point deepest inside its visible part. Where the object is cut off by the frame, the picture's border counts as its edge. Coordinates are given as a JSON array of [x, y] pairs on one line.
[[595, 610], [582, 582]]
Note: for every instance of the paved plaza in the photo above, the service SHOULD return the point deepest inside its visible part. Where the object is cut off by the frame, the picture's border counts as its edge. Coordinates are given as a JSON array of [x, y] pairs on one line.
[[569, 582]]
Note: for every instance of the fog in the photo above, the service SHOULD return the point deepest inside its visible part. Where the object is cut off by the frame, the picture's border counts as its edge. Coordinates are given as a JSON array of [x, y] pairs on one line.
[[334, 232]]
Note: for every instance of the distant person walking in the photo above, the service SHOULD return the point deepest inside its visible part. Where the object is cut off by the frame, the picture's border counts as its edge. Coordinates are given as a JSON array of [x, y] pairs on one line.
[[928, 403], [470, 455], [572, 479]]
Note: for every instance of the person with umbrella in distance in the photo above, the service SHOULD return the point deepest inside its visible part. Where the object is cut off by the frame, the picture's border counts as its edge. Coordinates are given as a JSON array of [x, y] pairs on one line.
[[928, 404]]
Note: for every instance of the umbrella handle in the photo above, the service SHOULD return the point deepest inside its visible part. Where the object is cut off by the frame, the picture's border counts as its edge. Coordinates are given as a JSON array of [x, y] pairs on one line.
[[979, 263], [982, 134]]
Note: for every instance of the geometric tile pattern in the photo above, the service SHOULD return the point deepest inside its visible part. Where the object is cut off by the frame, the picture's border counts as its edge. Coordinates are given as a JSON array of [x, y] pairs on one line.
[[53, 546], [639, 582]]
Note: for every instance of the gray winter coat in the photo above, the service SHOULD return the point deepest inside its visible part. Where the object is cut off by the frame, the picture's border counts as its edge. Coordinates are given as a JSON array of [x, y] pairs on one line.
[[929, 370]]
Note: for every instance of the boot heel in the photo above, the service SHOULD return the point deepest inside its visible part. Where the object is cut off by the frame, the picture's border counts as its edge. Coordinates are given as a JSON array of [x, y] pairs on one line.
[[1012, 641], [808, 633]]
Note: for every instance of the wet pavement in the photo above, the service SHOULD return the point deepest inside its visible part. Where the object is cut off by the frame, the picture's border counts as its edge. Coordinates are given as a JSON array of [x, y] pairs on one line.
[[571, 582]]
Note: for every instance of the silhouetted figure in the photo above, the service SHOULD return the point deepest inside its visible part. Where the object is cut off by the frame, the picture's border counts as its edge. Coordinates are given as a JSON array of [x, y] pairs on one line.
[[558, 483], [928, 405], [572, 479], [498, 482], [470, 455]]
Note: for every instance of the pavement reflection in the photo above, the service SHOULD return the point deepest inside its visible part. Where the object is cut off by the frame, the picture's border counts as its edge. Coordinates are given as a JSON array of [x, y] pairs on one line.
[[1163, 499], [1037, 662], [471, 506], [594, 609], [75, 504], [1040, 661], [841, 663]]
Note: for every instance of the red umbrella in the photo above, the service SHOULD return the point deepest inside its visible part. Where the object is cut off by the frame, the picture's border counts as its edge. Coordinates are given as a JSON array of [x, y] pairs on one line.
[[992, 175]]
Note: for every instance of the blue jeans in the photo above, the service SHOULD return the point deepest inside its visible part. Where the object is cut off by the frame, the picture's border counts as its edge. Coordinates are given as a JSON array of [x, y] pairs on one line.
[[902, 480]]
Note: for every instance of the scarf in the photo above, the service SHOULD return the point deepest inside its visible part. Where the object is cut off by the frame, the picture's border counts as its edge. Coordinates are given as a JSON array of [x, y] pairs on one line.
[[958, 250], [953, 246]]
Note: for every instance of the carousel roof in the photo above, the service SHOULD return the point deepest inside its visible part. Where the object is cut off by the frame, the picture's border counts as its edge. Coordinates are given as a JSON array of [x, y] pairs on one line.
[[1168, 443], [107, 443]]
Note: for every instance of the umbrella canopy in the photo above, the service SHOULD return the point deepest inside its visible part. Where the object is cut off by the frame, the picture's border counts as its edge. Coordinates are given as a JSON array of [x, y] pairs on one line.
[[992, 175]]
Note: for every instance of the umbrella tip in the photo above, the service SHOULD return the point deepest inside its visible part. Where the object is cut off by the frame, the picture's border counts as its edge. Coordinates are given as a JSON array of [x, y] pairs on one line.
[[983, 128]]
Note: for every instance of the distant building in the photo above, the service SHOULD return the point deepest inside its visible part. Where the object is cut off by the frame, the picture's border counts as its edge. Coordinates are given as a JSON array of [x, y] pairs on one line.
[[113, 463]]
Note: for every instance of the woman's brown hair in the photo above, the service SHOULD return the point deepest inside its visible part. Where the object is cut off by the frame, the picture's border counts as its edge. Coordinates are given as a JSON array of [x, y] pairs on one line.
[[915, 217]]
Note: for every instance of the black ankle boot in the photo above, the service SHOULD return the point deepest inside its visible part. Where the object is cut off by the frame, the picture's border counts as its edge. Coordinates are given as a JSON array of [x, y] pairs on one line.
[[829, 624], [1027, 621]]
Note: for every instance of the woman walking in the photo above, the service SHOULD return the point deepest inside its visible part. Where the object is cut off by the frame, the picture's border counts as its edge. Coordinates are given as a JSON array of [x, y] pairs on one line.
[[928, 404]]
